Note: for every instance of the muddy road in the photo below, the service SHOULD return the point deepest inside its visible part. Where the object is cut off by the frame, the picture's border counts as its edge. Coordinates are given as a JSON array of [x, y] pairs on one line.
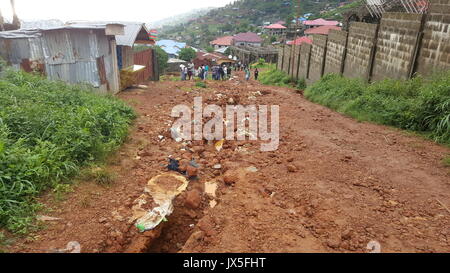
[[333, 185]]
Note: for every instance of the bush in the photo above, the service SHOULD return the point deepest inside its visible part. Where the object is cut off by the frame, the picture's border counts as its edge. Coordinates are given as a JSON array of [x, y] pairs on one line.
[[187, 54], [48, 130], [200, 84], [272, 76], [421, 105]]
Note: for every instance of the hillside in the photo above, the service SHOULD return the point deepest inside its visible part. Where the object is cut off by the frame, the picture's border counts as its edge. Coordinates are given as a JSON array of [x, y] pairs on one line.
[[241, 16], [180, 18]]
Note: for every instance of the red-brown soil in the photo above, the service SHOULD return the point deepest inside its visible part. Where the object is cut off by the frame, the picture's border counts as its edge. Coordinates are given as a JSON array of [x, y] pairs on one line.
[[333, 185]]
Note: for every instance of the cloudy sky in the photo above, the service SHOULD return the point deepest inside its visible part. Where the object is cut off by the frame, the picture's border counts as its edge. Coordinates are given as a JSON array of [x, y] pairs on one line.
[[104, 10]]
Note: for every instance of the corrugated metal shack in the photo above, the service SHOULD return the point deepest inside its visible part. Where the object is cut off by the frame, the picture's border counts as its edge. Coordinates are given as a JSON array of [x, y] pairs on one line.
[[134, 33], [74, 53]]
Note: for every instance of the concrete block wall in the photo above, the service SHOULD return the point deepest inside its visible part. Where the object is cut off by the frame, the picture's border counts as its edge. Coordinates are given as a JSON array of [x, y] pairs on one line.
[[435, 47], [360, 47], [400, 46], [287, 58], [318, 53], [305, 54], [336, 47], [280, 58], [295, 61], [396, 45]]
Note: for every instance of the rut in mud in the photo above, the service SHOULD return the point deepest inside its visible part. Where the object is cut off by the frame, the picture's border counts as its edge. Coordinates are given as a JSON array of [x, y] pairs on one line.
[[333, 185]]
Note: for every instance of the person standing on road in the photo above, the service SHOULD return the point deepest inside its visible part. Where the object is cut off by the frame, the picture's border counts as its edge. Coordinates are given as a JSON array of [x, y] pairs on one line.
[[229, 72], [225, 72], [206, 72], [256, 74], [247, 73], [190, 71]]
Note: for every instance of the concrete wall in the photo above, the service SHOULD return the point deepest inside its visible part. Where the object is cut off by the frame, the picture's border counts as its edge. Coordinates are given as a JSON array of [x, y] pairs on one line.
[[295, 60], [305, 56], [318, 53], [400, 46], [287, 58], [396, 45], [435, 47], [360, 47], [336, 47], [280, 58]]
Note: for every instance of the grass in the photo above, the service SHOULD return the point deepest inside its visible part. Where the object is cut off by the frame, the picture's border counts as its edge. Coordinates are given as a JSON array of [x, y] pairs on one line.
[[269, 75], [420, 105], [200, 84], [48, 132]]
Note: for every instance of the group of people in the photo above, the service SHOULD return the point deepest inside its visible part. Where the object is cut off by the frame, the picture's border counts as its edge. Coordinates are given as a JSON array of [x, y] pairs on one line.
[[221, 72], [218, 72]]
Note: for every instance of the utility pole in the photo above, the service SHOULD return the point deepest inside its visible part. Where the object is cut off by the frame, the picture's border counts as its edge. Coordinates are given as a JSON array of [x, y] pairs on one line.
[[16, 21], [2, 21]]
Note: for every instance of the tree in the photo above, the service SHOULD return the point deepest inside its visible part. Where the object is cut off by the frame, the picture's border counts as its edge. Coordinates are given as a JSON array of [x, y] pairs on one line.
[[187, 54], [162, 58], [209, 49]]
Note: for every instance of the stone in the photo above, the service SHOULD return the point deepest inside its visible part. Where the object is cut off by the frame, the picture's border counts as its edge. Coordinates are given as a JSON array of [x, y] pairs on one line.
[[191, 171], [292, 168], [193, 199], [230, 177]]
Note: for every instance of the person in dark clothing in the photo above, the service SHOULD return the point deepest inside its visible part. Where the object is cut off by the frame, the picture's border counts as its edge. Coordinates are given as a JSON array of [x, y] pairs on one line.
[[221, 72], [229, 72], [256, 74]]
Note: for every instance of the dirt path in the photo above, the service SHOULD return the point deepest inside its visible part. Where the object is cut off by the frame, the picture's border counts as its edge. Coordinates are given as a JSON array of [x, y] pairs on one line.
[[334, 185]]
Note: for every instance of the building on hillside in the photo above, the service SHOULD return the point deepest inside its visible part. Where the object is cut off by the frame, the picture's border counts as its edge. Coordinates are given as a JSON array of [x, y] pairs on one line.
[[210, 59], [74, 53], [275, 29], [322, 30], [173, 65], [300, 41], [281, 23], [222, 50], [319, 22], [172, 48], [247, 39], [222, 42]]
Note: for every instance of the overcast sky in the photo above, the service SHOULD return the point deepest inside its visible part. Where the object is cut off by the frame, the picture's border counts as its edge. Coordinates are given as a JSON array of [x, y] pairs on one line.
[[104, 10]]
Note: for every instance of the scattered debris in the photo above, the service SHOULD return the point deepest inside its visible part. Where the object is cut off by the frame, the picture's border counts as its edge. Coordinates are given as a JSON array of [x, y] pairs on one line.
[[160, 190]]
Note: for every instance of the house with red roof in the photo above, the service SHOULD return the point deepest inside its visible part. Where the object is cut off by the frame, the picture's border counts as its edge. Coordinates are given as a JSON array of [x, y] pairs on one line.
[[300, 40], [319, 22], [222, 42], [247, 39], [322, 30], [275, 29]]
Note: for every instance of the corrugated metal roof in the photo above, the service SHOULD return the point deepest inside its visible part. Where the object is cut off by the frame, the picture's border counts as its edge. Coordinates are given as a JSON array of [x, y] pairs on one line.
[[131, 30], [170, 46], [18, 34], [131, 33]]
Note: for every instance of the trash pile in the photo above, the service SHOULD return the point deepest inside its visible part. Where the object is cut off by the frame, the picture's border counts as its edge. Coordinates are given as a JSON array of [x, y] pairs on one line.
[[156, 203]]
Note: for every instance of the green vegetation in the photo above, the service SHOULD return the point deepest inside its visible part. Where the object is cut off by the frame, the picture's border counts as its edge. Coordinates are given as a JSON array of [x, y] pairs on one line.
[[269, 75], [162, 58], [242, 16], [336, 14], [200, 84], [48, 131], [419, 105], [187, 54]]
